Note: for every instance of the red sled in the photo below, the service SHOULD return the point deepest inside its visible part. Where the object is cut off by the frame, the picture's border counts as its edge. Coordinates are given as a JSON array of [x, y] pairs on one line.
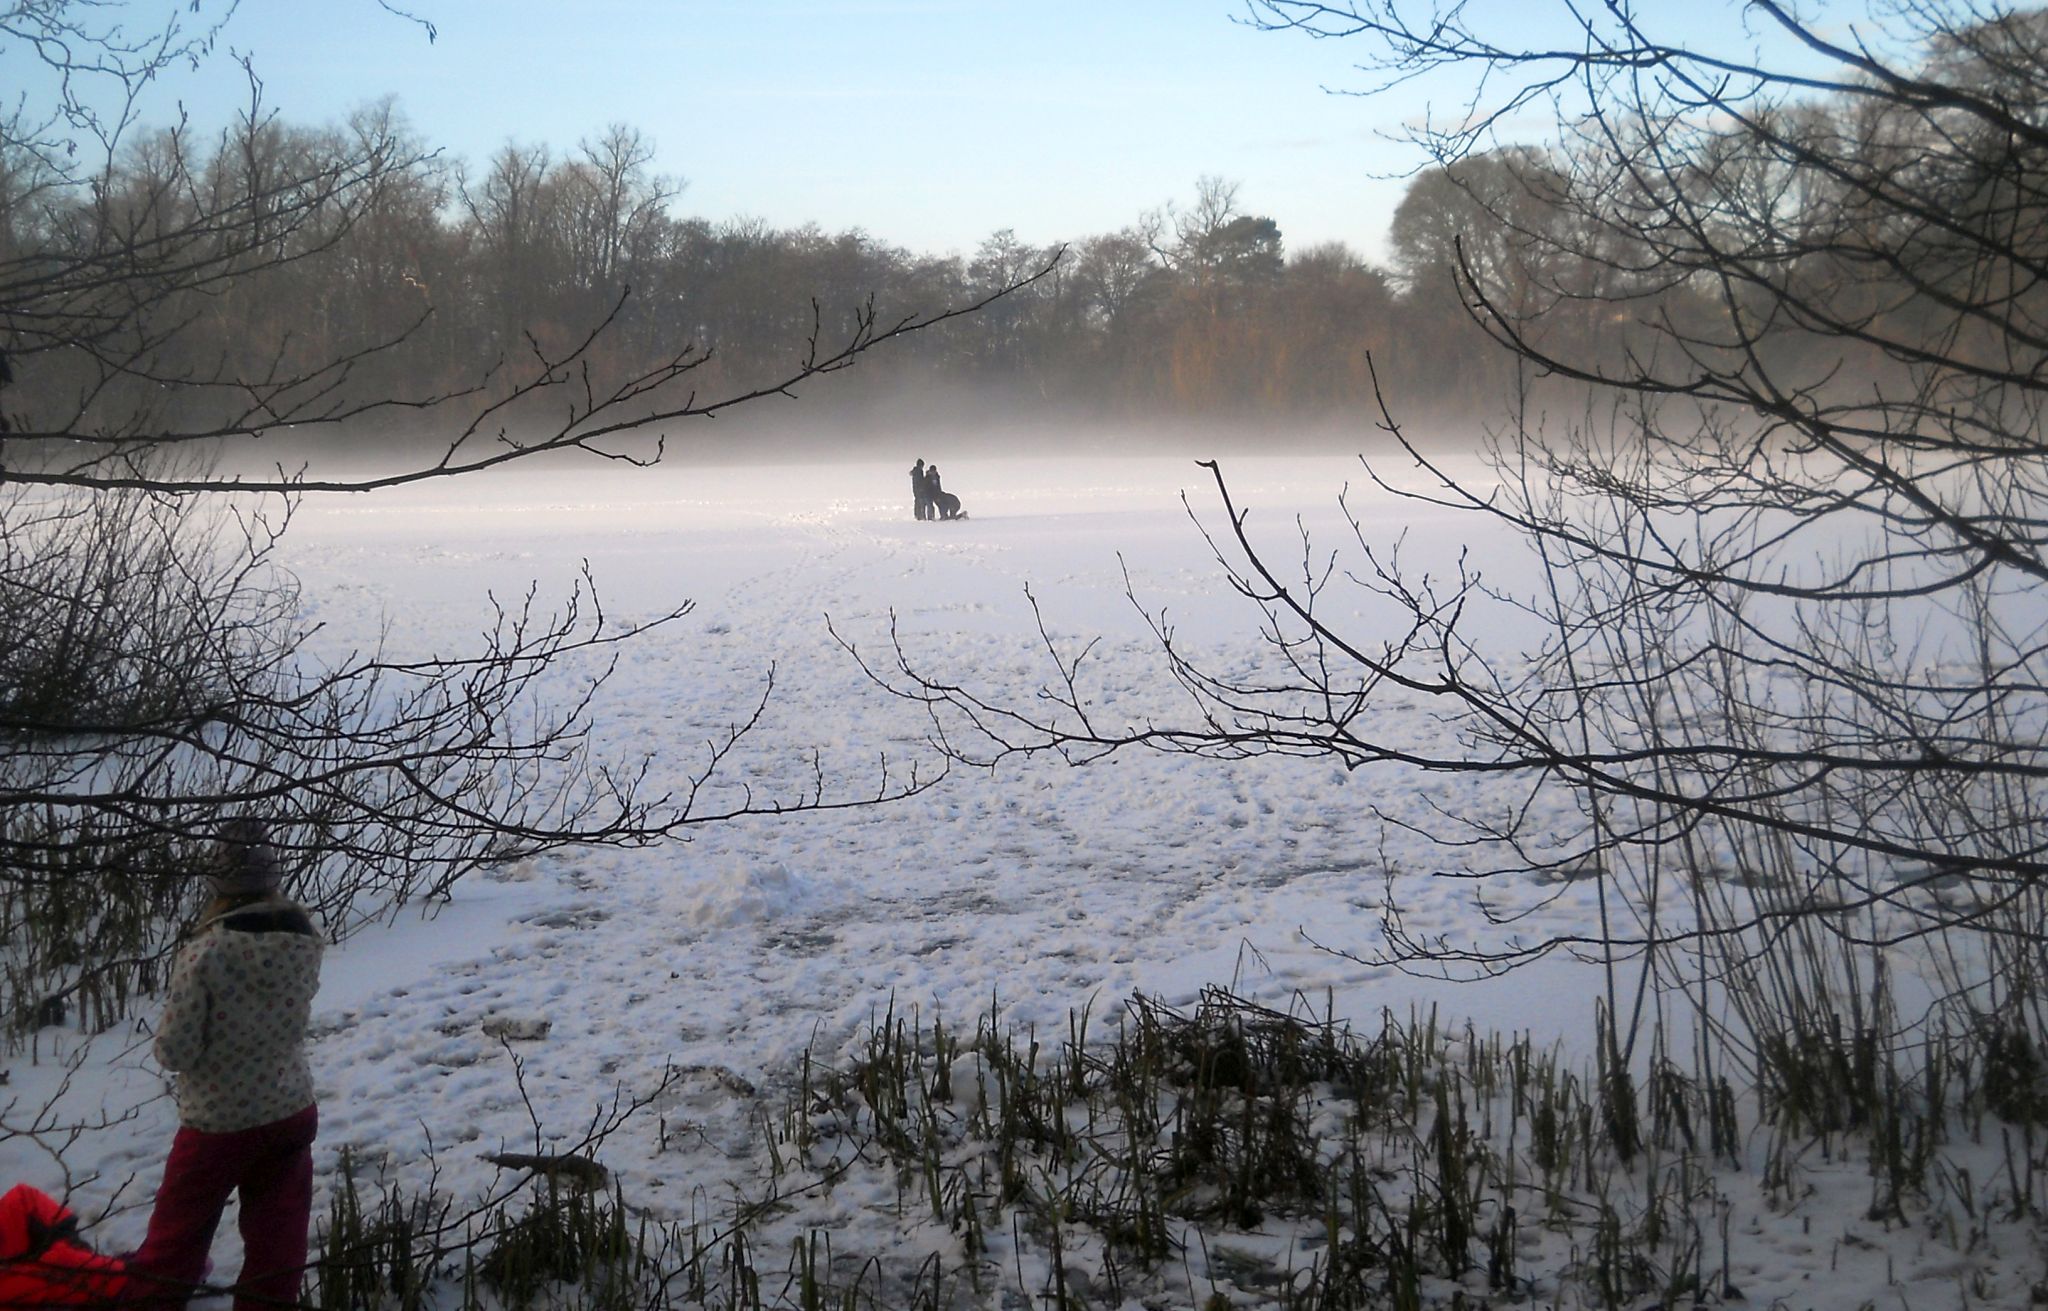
[[42, 1261]]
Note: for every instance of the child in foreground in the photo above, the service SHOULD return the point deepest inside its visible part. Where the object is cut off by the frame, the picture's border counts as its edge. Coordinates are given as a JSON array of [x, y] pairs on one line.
[[234, 1033]]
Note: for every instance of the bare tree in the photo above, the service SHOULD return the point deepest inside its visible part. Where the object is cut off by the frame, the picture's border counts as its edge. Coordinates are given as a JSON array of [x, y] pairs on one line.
[[617, 200], [1792, 547], [1112, 271]]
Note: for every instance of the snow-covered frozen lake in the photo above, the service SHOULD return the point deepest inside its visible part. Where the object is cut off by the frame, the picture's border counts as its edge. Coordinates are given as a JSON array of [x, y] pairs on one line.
[[1045, 884], [1041, 887]]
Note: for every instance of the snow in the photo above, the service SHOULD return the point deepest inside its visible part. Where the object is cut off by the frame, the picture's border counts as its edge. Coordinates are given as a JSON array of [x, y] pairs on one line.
[[1039, 887]]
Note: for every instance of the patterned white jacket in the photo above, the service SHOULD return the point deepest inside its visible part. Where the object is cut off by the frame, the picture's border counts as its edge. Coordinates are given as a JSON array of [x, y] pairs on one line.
[[234, 1029]]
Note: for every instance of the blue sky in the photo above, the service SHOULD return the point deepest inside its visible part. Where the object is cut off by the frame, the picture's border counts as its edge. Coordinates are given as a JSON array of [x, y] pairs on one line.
[[928, 123]]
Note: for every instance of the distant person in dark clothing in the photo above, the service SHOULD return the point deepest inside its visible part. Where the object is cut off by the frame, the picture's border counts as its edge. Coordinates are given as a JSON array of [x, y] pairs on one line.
[[920, 491], [944, 505]]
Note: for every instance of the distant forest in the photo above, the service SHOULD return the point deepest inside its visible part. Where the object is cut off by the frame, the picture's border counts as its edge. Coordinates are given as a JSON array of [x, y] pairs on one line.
[[435, 270]]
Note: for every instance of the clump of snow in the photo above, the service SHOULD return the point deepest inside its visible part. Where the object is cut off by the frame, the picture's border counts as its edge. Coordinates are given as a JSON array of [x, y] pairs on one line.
[[736, 892]]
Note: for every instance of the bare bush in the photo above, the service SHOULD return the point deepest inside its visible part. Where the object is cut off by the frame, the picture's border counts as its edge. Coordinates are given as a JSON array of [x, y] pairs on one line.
[[155, 670], [1790, 546]]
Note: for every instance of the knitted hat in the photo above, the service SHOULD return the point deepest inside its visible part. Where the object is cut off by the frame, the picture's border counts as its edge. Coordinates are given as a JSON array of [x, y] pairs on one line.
[[245, 861]]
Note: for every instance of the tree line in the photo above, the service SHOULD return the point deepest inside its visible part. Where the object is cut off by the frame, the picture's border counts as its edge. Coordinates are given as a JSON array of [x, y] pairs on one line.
[[365, 237], [395, 276]]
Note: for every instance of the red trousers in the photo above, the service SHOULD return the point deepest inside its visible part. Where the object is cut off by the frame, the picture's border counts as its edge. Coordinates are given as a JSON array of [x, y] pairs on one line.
[[271, 1166]]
